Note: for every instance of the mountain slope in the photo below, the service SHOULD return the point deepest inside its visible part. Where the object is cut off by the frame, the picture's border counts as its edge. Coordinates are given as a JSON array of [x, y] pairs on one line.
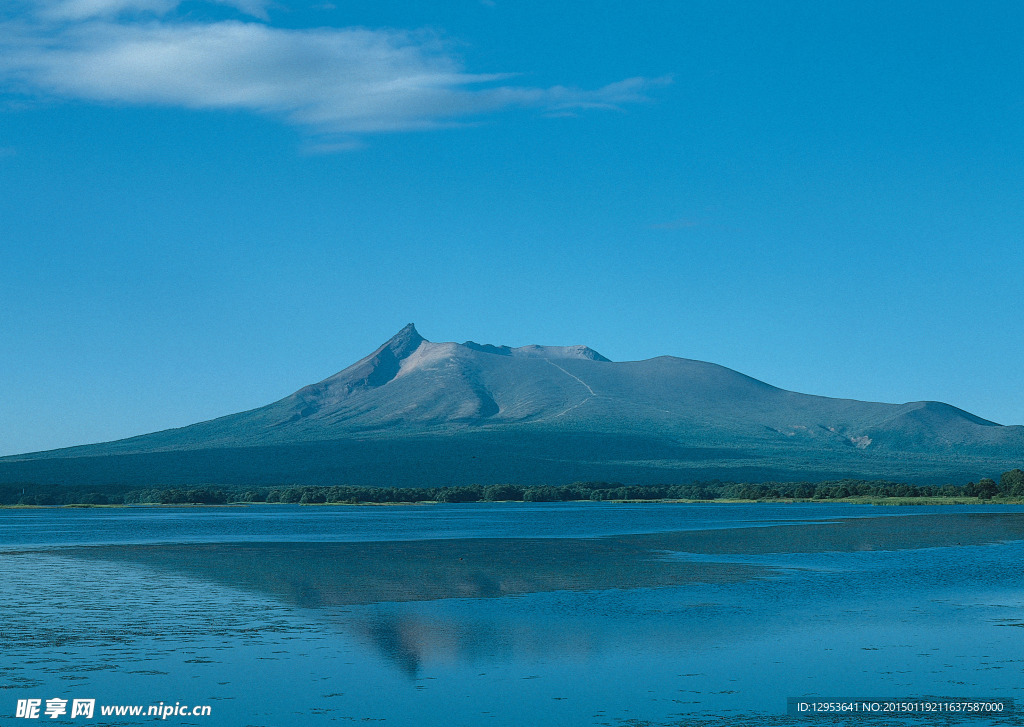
[[418, 412]]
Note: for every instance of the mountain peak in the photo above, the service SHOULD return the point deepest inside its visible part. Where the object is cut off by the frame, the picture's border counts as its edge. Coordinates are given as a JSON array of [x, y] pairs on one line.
[[375, 370], [404, 342]]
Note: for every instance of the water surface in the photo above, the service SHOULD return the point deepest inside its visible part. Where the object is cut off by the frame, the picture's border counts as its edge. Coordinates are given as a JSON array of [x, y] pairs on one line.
[[511, 614]]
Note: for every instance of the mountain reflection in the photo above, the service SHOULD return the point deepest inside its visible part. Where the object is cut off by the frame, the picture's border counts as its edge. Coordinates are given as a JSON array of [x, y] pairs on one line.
[[317, 575], [398, 640], [364, 589], [411, 637], [326, 574], [374, 579]]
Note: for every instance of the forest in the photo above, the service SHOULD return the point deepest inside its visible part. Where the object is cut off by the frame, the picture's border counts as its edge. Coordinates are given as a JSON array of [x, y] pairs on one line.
[[1008, 488]]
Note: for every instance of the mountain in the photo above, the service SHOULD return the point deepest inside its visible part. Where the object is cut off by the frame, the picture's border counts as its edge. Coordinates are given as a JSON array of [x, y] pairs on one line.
[[415, 412]]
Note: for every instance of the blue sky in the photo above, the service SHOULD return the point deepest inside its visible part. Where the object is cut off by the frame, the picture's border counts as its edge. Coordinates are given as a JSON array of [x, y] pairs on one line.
[[207, 205]]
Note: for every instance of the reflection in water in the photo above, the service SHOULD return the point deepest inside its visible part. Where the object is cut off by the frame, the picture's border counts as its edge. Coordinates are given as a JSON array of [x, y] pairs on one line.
[[416, 637], [603, 631], [398, 641], [317, 575], [327, 576]]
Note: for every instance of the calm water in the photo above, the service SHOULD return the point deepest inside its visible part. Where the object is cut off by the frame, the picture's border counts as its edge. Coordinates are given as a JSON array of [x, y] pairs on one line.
[[510, 614], [287, 523]]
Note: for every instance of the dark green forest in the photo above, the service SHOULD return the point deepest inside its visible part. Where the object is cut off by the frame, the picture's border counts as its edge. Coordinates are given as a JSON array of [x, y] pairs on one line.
[[1009, 486]]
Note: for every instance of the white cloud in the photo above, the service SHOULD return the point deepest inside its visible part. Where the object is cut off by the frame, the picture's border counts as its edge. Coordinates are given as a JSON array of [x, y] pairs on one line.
[[330, 80], [88, 9], [85, 9]]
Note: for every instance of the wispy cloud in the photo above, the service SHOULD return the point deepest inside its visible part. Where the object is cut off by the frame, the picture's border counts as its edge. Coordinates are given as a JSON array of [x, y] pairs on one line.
[[85, 9], [54, 10], [332, 81]]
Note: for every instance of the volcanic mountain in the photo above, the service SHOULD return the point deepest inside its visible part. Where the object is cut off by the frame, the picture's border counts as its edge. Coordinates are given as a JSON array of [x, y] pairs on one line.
[[415, 412]]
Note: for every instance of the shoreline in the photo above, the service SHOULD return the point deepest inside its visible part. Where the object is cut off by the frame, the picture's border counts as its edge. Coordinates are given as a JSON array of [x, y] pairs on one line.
[[874, 501]]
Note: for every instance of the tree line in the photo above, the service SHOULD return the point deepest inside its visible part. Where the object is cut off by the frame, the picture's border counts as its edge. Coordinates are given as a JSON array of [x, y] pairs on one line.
[[1009, 485]]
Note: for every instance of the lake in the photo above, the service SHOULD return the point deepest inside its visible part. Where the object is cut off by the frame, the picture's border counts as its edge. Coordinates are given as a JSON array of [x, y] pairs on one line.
[[512, 613]]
